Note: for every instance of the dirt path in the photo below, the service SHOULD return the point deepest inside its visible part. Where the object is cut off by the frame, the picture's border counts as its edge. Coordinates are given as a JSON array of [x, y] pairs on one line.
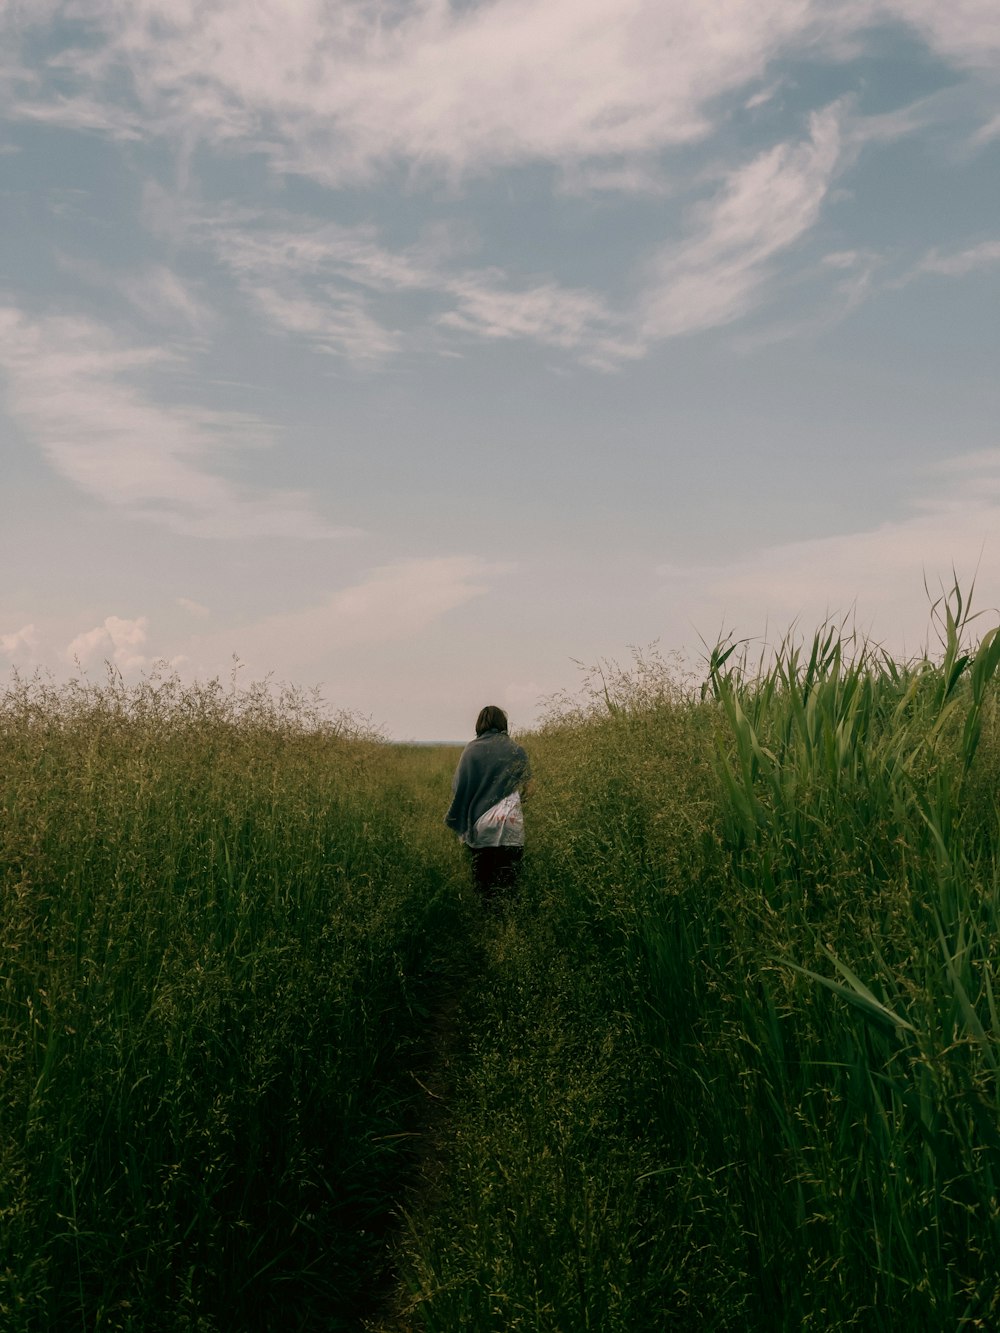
[[435, 1082]]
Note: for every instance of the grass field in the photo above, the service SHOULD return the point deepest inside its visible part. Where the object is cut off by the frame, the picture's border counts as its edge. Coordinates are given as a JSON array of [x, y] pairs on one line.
[[730, 1061]]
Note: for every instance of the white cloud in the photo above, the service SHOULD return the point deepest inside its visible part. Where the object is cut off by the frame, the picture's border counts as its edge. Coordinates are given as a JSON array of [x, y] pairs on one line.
[[762, 97], [879, 572], [573, 320], [156, 291], [344, 91], [353, 91], [598, 88], [961, 262], [83, 113], [116, 641], [855, 273], [620, 176], [162, 296], [987, 133], [765, 207], [314, 280], [317, 281], [256, 245], [965, 31], [193, 608], [19, 643], [398, 600], [392, 604], [341, 324], [71, 386]]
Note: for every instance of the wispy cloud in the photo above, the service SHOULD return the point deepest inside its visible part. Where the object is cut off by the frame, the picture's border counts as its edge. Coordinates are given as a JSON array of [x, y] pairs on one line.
[[964, 31], [83, 113], [155, 291], [340, 323], [313, 280], [360, 93], [620, 176], [73, 387], [764, 207], [344, 91], [961, 262], [392, 604], [397, 600], [163, 297], [854, 279], [323, 282], [255, 245], [341, 91], [573, 320], [878, 572], [987, 132]]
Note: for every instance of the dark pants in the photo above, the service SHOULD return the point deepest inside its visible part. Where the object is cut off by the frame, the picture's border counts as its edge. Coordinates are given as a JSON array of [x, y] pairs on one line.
[[495, 869]]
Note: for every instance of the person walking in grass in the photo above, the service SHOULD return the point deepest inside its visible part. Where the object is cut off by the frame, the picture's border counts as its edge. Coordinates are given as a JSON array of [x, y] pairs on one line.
[[485, 809]]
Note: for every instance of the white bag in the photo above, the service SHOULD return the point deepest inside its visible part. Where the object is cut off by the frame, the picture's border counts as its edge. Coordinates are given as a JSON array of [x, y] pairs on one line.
[[501, 826]]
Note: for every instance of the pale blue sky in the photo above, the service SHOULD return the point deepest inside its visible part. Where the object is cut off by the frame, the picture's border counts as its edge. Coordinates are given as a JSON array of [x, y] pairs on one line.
[[417, 350]]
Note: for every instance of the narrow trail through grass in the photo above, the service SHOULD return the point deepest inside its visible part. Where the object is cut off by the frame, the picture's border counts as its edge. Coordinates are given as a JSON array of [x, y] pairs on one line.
[[525, 1195], [448, 1027]]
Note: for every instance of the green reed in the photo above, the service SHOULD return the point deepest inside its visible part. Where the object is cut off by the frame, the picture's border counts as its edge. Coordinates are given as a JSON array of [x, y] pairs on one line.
[[863, 843], [735, 1064]]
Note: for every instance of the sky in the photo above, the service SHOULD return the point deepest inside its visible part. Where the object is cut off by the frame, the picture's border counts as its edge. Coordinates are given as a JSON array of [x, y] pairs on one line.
[[422, 351]]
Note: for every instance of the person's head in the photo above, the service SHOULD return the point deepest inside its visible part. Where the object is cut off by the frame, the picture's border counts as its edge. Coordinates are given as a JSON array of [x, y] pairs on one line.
[[491, 718]]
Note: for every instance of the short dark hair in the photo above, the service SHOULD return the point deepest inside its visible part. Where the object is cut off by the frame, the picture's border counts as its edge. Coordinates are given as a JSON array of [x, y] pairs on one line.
[[491, 718]]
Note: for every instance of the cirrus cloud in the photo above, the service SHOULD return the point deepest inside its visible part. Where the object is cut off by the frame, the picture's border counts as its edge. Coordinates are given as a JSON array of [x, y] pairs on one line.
[[346, 91], [765, 207], [72, 386]]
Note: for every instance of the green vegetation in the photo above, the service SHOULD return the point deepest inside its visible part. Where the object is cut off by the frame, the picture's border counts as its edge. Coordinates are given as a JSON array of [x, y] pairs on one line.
[[220, 939], [730, 1061]]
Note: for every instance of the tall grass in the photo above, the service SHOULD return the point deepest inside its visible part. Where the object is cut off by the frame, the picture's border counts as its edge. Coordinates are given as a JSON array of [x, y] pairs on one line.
[[863, 851], [729, 1062], [736, 1066], [222, 920]]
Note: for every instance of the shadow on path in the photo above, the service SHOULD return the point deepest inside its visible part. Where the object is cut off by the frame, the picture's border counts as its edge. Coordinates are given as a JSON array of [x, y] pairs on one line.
[[435, 1070]]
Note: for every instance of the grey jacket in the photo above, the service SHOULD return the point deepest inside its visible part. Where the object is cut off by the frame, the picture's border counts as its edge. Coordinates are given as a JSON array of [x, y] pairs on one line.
[[491, 767]]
